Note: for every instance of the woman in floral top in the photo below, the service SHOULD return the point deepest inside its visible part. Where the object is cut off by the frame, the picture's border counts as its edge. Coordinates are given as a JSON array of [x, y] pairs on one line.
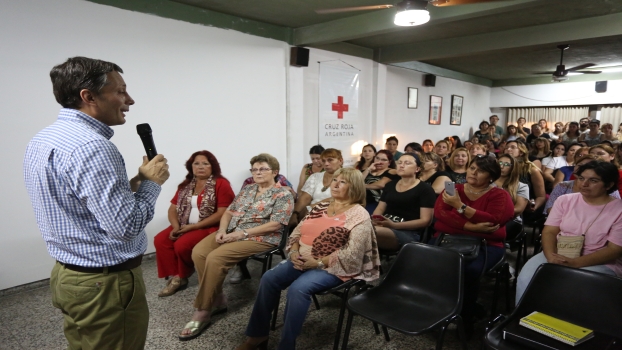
[[334, 243], [253, 223]]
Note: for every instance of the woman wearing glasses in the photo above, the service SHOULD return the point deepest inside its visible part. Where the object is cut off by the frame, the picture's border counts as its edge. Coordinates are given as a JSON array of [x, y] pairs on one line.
[[316, 187], [517, 190], [253, 223], [381, 172]]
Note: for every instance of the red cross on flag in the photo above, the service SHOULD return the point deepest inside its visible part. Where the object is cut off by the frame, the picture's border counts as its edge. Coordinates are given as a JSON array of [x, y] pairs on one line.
[[338, 110]]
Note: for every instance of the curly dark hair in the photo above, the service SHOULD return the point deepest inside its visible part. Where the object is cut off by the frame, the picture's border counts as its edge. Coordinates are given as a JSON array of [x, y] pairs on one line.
[[608, 173]]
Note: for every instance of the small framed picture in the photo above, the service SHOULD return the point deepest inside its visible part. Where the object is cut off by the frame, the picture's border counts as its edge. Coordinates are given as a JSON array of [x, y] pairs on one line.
[[456, 110], [412, 98], [436, 108]]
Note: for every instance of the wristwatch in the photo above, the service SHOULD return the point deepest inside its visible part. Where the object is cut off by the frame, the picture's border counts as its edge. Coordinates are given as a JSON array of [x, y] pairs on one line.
[[320, 264], [462, 208], [245, 234]]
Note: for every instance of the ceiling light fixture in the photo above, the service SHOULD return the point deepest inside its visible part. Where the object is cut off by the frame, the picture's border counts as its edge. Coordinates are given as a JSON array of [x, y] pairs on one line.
[[412, 13]]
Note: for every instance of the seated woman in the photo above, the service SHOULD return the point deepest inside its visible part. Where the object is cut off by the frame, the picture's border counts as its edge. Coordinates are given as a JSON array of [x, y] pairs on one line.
[[541, 149], [468, 144], [531, 175], [558, 160], [433, 172], [458, 164], [519, 191], [556, 134], [512, 134], [333, 244], [367, 157], [492, 148], [478, 209], [253, 223], [591, 213], [442, 149], [607, 153], [478, 149], [571, 135], [486, 132], [315, 153], [427, 145], [316, 187], [406, 207], [608, 135], [195, 212], [381, 172], [413, 147], [565, 172], [391, 146], [572, 186], [457, 143]]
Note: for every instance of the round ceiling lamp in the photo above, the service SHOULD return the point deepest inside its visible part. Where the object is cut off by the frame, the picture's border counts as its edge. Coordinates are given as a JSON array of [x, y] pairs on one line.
[[412, 13]]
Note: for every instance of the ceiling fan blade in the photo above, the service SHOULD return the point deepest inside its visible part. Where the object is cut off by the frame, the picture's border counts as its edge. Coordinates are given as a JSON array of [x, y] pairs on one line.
[[349, 9], [589, 71], [442, 3], [547, 73], [583, 66]]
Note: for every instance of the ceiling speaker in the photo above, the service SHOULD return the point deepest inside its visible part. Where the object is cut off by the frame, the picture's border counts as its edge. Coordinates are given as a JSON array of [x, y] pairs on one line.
[[601, 86], [299, 57], [430, 80]]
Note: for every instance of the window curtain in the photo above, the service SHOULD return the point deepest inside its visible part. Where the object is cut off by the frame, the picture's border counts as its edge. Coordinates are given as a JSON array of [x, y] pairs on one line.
[[552, 115], [611, 115]]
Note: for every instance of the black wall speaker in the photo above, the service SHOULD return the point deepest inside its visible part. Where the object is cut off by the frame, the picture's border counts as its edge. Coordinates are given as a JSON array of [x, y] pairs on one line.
[[601, 86], [430, 80], [299, 57]]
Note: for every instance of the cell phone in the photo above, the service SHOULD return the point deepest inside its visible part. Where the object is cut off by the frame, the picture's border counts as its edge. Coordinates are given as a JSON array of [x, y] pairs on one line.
[[378, 217], [450, 188]]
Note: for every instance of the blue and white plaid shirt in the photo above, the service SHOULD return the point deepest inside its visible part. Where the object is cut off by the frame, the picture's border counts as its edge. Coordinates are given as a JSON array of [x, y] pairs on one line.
[[81, 195]]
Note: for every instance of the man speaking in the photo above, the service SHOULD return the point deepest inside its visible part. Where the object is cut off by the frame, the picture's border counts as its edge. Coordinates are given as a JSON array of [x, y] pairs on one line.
[[91, 216]]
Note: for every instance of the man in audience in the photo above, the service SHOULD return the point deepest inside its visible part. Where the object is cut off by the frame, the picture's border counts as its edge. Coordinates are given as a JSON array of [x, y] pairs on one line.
[[494, 119], [584, 124], [536, 132], [91, 221]]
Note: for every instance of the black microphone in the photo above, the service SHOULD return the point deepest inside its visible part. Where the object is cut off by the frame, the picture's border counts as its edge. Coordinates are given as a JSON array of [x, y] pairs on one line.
[[144, 131]]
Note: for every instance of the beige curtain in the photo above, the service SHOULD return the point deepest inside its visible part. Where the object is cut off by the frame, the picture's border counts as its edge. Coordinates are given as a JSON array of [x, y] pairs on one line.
[[611, 115], [552, 115]]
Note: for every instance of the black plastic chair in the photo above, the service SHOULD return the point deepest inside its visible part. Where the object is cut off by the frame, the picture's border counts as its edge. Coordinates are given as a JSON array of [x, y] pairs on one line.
[[422, 292], [265, 257], [582, 297], [342, 291]]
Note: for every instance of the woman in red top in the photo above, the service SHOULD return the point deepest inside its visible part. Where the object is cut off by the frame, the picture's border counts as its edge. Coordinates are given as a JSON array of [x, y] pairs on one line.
[[479, 209], [195, 212]]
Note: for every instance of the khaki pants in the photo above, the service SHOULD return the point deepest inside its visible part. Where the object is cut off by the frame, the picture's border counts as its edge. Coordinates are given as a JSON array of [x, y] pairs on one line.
[[213, 260], [102, 310]]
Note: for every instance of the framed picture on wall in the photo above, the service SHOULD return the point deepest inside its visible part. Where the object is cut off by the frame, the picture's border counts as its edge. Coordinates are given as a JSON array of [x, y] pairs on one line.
[[456, 110], [436, 108], [412, 98]]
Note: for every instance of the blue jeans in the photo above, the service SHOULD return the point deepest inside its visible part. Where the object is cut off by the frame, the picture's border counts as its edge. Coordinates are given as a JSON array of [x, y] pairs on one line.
[[301, 285], [527, 272]]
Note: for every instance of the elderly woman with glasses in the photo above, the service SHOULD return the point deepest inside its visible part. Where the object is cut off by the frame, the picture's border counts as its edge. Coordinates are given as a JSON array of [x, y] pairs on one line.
[[253, 223]]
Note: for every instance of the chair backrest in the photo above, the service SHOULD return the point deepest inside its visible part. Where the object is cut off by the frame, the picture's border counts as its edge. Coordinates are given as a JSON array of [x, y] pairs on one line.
[[428, 270], [586, 298]]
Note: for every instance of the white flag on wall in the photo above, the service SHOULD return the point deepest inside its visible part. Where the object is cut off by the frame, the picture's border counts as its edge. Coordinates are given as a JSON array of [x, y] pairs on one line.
[[338, 110]]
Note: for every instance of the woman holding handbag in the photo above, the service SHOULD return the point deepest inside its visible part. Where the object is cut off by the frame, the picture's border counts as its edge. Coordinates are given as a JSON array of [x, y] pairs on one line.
[[583, 230], [477, 209]]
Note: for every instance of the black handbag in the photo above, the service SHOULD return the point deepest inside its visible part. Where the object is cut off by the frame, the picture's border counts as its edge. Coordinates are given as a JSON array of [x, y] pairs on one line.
[[467, 246]]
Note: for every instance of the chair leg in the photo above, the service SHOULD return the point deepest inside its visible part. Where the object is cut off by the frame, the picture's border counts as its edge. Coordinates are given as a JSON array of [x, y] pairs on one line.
[[508, 275], [495, 296], [386, 333], [376, 329], [244, 269], [461, 334], [346, 335], [441, 336], [519, 254], [317, 303], [342, 313]]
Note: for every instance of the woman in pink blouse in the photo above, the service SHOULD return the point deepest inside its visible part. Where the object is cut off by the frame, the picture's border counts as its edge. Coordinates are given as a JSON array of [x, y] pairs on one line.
[[593, 214], [334, 243]]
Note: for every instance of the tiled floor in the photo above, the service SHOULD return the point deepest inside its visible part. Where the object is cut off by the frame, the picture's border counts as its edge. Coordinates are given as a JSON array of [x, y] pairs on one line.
[[28, 320]]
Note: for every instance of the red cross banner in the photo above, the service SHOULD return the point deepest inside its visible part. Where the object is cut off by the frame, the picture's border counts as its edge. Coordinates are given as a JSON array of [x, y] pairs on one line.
[[338, 110]]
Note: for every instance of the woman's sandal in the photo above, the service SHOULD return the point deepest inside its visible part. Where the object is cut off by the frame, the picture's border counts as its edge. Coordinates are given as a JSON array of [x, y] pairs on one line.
[[173, 286], [196, 327]]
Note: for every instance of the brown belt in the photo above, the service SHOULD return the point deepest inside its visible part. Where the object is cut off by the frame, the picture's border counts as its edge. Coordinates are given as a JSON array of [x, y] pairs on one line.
[[124, 266]]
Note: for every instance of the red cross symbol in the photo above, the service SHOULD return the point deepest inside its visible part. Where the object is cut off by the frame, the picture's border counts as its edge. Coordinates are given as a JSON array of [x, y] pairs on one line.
[[340, 107]]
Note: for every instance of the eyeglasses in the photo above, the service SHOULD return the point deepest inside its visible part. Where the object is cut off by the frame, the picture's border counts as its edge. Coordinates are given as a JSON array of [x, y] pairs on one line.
[[260, 170], [381, 159], [504, 164]]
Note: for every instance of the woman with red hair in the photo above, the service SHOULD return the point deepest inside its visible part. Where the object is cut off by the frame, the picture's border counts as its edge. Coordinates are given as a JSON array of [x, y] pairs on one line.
[[195, 213]]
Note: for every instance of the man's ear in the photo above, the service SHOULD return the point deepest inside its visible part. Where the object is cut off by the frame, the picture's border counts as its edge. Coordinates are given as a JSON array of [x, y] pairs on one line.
[[87, 97]]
